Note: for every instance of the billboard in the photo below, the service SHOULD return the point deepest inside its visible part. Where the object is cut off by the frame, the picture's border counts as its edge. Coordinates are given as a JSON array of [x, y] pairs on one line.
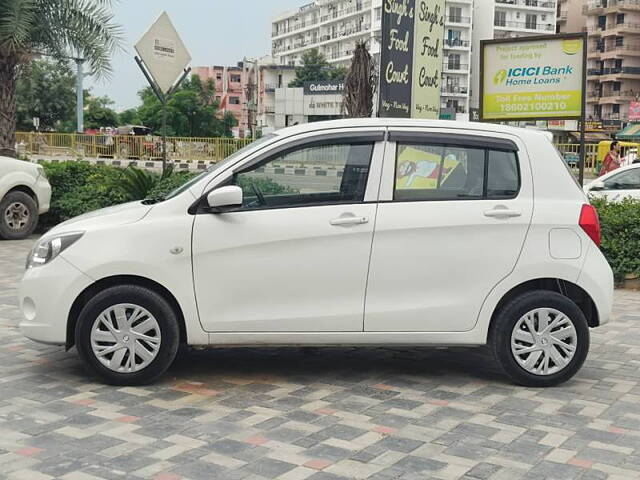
[[533, 77], [411, 58]]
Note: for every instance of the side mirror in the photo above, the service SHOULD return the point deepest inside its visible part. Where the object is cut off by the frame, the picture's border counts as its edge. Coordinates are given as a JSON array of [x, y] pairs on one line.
[[597, 186], [224, 199]]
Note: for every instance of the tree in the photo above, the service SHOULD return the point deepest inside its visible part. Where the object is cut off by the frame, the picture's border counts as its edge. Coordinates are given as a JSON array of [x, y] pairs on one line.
[[360, 84], [192, 111], [98, 113], [56, 27], [129, 117], [45, 89], [315, 68]]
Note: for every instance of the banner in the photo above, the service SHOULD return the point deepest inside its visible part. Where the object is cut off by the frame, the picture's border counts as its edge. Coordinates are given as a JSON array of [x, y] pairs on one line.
[[529, 78], [396, 58], [411, 58], [427, 64], [634, 111]]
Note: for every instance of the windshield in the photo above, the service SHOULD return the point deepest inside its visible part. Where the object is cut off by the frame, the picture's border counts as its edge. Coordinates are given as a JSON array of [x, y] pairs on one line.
[[220, 165]]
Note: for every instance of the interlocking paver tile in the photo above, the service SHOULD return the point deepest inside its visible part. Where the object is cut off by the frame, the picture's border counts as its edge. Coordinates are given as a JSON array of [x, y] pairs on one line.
[[320, 414]]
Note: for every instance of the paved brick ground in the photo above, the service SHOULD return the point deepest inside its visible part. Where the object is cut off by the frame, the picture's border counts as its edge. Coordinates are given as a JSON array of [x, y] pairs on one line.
[[321, 414]]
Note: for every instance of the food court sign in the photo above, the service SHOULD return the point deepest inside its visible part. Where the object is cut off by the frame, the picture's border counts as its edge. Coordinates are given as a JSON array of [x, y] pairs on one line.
[[411, 58], [533, 78]]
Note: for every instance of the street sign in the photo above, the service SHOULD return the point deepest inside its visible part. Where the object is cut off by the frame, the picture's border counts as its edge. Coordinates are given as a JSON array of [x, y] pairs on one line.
[[163, 53]]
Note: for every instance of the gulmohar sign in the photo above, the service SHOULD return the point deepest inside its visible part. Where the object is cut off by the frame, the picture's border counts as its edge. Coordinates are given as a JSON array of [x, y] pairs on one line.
[[532, 78]]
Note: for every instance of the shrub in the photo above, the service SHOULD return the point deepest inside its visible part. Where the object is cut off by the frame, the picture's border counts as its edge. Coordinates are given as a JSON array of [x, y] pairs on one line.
[[79, 187], [620, 222], [170, 183]]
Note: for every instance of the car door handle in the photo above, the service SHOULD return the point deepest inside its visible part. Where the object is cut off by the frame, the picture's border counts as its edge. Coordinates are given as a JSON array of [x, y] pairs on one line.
[[350, 220], [502, 213]]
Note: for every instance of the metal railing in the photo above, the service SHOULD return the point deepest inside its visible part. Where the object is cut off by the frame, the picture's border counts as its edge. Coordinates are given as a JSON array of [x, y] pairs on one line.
[[127, 146], [528, 3], [453, 43], [614, 71], [457, 19], [334, 15], [455, 66], [525, 25], [594, 7]]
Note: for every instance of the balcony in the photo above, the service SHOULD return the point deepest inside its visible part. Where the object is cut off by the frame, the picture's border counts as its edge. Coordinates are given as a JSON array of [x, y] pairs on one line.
[[562, 16], [455, 90], [527, 4], [613, 71], [314, 42], [455, 67], [333, 15], [456, 43], [456, 19], [270, 87], [537, 27], [600, 6], [614, 29]]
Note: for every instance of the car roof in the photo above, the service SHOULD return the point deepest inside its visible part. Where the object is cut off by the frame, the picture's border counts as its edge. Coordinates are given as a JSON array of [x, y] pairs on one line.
[[412, 123]]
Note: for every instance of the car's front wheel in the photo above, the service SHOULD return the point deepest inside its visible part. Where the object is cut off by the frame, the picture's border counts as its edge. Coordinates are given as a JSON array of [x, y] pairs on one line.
[[540, 338], [128, 335], [18, 216]]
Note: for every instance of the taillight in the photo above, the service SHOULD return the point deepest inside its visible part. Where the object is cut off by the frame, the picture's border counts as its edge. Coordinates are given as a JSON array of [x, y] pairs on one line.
[[590, 223]]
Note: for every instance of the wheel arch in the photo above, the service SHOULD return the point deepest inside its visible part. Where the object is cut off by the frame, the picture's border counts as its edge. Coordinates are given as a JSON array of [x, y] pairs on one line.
[[24, 189], [564, 287], [116, 280]]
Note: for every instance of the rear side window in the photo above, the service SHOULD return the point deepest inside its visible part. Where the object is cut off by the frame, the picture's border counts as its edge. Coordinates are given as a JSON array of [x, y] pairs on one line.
[[447, 172]]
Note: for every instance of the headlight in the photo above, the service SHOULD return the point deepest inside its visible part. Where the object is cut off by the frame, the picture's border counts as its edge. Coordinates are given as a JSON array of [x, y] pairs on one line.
[[49, 248]]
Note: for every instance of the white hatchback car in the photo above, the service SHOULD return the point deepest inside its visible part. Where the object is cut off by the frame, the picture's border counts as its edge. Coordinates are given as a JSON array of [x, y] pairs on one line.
[[621, 183], [25, 194], [358, 232]]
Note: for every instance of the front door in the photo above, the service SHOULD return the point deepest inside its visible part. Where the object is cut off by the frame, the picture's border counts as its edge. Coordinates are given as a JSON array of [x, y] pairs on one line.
[[294, 258], [452, 220]]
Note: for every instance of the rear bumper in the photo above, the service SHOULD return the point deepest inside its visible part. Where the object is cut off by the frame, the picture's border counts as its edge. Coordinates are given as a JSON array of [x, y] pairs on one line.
[[596, 278]]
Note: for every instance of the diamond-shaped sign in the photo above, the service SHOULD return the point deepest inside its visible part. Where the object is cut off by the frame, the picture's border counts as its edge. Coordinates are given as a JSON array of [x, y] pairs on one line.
[[163, 52]]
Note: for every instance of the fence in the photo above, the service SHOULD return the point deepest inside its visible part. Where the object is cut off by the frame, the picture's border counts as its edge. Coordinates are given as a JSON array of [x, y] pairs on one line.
[[179, 149], [185, 150]]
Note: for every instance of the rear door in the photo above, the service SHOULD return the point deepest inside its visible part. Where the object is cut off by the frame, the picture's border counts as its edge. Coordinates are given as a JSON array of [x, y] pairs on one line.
[[453, 215]]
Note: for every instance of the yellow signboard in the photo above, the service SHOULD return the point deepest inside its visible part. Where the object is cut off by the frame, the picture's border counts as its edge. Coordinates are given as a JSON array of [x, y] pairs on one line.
[[533, 78]]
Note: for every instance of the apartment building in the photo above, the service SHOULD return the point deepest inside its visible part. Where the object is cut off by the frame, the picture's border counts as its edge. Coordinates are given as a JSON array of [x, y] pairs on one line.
[[569, 16], [613, 70], [231, 91], [334, 27]]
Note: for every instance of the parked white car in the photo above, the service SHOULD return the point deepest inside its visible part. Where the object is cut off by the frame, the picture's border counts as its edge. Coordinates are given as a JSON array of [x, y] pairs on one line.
[[618, 184], [357, 232], [25, 194]]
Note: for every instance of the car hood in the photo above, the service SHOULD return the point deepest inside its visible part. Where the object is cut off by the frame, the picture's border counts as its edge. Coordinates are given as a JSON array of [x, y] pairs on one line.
[[106, 217]]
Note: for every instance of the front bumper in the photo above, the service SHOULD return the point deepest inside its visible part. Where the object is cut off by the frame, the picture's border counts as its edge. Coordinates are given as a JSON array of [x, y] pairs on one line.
[[46, 296]]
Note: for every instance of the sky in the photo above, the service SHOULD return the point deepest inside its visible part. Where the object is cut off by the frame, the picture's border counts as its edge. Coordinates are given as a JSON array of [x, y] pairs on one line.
[[216, 32]]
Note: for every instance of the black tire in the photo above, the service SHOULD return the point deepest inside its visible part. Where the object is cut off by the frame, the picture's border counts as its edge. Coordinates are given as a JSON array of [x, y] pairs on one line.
[[23, 199], [156, 305], [506, 320]]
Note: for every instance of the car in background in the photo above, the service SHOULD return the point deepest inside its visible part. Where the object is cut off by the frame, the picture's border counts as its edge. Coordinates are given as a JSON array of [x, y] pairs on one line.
[[25, 194], [616, 185], [416, 233]]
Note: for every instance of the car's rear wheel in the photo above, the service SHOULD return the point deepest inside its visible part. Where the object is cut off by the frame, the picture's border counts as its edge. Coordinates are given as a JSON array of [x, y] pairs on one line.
[[18, 216], [128, 335], [540, 338]]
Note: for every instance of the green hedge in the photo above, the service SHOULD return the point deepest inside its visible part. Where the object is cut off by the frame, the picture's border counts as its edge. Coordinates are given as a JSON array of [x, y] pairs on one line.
[[620, 223]]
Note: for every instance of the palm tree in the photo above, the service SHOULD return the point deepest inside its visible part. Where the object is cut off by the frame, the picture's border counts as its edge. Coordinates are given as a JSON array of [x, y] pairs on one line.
[[58, 28], [360, 84]]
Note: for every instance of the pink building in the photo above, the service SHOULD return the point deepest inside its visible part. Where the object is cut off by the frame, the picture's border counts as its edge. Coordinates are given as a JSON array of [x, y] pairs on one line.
[[231, 91]]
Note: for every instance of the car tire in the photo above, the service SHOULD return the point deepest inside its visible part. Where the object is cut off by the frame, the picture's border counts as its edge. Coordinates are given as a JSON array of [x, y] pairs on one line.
[[150, 330], [522, 354], [18, 216]]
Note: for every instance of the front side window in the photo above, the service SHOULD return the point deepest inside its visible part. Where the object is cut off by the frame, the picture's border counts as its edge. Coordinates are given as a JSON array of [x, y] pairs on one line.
[[443, 172], [307, 176]]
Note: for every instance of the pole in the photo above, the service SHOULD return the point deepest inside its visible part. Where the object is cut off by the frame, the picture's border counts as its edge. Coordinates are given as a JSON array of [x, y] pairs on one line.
[[583, 113], [164, 135], [583, 153], [80, 94]]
